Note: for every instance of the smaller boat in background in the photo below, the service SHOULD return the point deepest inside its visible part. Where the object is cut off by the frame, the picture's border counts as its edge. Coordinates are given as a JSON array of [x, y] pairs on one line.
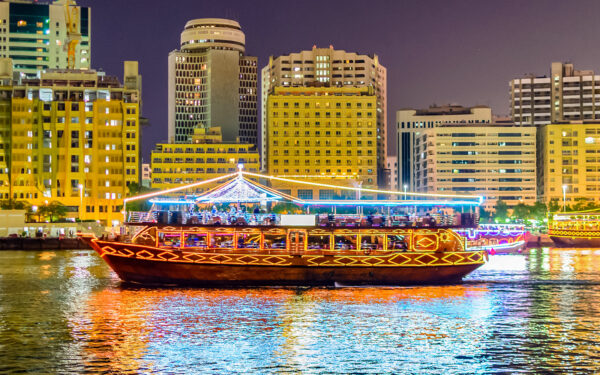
[[575, 229], [496, 238]]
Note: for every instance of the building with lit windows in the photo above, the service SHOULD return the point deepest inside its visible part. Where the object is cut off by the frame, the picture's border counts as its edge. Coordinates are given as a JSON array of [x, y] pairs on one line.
[[206, 157], [212, 82], [410, 123], [329, 67], [324, 135], [496, 161], [566, 95], [71, 137], [570, 162], [33, 35]]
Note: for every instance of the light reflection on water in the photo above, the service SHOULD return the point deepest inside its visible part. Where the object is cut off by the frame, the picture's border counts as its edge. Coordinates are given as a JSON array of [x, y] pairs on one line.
[[64, 312]]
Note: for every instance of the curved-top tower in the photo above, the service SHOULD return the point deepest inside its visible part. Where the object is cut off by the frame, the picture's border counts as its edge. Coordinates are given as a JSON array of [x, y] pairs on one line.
[[212, 82], [216, 33]]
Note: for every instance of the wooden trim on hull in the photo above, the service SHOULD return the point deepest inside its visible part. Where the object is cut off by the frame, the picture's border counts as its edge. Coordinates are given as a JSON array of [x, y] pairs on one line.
[[150, 265], [576, 242]]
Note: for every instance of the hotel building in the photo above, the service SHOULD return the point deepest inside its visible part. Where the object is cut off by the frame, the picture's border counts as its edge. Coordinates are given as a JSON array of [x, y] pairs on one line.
[[411, 123], [70, 136], [566, 95], [497, 161], [206, 157], [570, 162], [328, 67], [212, 83], [322, 134], [33, 35]]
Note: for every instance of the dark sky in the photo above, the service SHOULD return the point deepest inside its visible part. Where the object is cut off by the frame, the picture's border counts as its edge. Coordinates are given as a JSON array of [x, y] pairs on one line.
[[435, 51]]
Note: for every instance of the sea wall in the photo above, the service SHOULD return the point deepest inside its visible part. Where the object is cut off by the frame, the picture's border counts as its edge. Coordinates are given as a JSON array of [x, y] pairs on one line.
[[49, 243]]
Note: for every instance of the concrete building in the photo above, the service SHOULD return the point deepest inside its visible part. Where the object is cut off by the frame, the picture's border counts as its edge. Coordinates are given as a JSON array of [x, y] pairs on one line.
[[206, 157], [566, 95], [392, 166], [146, 175], [569, 162], [212, 83], [410, 123], [328, 67], [33, 35], [324, 135], [497, 161], [71, 137]]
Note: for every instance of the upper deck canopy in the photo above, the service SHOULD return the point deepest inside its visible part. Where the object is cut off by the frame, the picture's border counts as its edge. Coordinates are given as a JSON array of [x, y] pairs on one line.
[[239, 188]]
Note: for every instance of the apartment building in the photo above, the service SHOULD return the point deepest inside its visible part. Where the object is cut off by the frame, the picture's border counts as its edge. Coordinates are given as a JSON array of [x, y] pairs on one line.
[[33, 35], [410, 123], [212, 83], [206, 156], [71, 136], [324, 135], [565, 95], [496, 161], [570, 162], [328, 67]]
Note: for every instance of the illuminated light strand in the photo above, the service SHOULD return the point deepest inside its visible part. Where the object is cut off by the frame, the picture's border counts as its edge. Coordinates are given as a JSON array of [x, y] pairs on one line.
[[172, 190], [478, 197], [387, 203]]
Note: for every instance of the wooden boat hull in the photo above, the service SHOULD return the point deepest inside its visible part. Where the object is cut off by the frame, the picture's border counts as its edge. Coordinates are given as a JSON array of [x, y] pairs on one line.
[[576, 242], [158, 266]]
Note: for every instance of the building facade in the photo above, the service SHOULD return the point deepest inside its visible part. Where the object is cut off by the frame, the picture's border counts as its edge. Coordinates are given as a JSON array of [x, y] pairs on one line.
[[146, 175], [392, 166], [570, 162], [206, 157], [330, 68], [212, 83], [496, 161], [71, 137], [566, 95], [322, 134], [410, 123], [33, 35]]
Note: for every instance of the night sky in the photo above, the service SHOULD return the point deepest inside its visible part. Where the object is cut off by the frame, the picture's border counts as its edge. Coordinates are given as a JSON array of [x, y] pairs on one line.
[[435, 51]]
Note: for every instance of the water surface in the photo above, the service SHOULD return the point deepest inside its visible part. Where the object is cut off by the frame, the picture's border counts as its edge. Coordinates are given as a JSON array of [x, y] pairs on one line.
[[66, 312]]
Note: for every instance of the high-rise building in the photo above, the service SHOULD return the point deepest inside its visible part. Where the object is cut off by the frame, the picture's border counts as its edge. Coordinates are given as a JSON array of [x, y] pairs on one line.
[[33, 35], [212, 83], [410, 123], [206, 157], [322, 134], [146, 175], [566, 95], [497, 161], [329, 68], [569, 162], [70, 136], [392, 167]]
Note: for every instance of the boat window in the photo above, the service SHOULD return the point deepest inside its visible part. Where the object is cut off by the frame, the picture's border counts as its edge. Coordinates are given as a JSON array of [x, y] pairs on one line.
[[274, 241], [318, 242], [194, 239], [371, 242], [248, 241], [222, 241], [169, 239], [345, 242], [396, 242]]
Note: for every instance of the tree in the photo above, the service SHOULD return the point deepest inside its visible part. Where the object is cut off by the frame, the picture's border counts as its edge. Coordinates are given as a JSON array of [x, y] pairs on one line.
[[500, 211], [520, 212], [538, 211], [554, 206], [54, 211]]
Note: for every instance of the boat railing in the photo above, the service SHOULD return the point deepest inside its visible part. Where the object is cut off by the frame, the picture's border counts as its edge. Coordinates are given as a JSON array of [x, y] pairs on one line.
[[460, 220]]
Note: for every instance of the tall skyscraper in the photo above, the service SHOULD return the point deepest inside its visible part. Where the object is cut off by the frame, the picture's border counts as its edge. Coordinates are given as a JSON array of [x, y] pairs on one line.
[[212, 83], [71, 136], [34, 34], [330, 68], [566, 95], [412, 122]]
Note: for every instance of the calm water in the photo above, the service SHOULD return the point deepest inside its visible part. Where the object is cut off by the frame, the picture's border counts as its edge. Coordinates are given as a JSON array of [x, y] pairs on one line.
[[66, 312]]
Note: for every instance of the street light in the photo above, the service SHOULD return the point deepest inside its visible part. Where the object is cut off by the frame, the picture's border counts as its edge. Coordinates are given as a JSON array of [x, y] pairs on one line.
[[564, 197]]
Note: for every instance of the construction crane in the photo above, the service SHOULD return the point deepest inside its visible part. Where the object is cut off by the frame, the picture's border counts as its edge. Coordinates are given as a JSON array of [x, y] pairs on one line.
[[72, 19]]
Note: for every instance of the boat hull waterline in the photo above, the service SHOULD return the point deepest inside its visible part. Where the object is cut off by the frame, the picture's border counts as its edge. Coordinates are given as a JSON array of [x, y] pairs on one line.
[[158, 266]]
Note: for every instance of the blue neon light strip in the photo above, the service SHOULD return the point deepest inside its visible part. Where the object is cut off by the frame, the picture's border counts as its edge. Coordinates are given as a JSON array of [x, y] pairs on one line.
[[388, 203]]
